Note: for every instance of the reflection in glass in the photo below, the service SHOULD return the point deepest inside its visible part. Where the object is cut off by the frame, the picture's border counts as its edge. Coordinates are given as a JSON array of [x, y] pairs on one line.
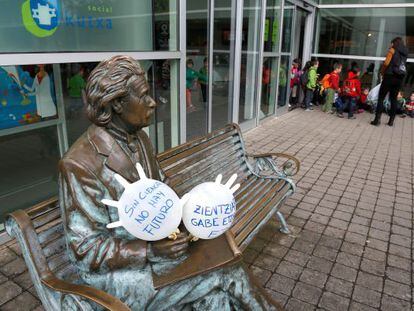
[[164, 91], [28, 163], [271, 31], [223, 58], [287, 27], [197, 52], [362, 1], [249, 60], [283, 81], [364, 31], [269, 80], [27, 95], [74, 77]]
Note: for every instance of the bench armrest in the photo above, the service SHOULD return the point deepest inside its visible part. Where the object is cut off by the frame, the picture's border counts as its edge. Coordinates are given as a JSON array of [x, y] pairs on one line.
[[280, 163], [96, 295], [20, 226]]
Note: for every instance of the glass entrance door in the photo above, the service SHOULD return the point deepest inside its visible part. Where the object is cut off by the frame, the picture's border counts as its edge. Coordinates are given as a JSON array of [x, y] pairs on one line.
[[210, 65], [296, 43]]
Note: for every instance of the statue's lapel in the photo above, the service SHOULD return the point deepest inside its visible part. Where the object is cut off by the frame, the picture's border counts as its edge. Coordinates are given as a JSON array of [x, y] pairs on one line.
[[117, 160]]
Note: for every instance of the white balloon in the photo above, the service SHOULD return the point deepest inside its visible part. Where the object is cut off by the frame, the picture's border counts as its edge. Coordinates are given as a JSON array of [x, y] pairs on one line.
[[148, 209], [209, 209]]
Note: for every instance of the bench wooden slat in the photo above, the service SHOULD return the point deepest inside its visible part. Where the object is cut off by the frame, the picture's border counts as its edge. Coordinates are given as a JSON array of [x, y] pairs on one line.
[[243, 212], [218, 135], [209, 174], [54, 246], [260, 215], [50, 233], [46, 218], [195, 147], [203, 163], [206, 157]]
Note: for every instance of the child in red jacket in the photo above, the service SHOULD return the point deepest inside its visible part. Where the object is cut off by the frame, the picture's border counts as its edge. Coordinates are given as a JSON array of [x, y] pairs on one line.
[[409, 106], [351, 92]]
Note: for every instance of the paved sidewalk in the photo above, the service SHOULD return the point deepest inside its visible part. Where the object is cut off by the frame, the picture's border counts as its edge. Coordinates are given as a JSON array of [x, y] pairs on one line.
[[351, 218]]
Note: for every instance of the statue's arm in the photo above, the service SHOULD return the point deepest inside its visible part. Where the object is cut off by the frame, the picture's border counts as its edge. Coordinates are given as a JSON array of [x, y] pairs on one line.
[[92, 244]]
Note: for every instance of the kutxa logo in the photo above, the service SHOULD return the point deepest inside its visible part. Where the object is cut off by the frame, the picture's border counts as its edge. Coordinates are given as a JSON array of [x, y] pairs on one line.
[[42, 17]]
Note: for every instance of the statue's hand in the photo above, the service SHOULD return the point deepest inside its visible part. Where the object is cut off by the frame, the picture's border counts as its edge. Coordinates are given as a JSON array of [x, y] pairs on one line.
[[172, 249]]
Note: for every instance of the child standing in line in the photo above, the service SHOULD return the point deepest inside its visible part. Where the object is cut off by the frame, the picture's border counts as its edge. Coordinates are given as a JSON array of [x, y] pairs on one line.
[[295, 74], [409, 106], [331, 85], [191, 77], [351, 92], [311, 85], [203, 80]]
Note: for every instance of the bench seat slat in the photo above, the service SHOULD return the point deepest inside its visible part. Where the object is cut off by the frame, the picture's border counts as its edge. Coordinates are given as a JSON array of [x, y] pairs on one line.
[[247, 209], [252, 223]]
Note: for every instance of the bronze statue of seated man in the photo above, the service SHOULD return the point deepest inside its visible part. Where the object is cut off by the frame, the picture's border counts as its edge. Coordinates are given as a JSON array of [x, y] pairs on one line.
[[120, 106]]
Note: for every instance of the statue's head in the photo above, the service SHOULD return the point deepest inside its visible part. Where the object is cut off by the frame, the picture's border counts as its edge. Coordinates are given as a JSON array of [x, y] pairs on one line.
[[118, 92]]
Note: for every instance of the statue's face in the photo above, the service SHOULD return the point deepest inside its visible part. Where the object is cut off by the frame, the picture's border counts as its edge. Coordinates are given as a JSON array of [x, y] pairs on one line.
[[138, 107]]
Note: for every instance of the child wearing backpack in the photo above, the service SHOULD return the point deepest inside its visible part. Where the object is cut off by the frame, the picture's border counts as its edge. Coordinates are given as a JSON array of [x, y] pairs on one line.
[[351, 92], [330, 84], [311, 84]]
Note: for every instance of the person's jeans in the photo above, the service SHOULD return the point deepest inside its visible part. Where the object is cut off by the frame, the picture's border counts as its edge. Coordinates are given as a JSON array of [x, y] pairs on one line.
[[392, 85], [339, 104], [308, 98], [350, 103]]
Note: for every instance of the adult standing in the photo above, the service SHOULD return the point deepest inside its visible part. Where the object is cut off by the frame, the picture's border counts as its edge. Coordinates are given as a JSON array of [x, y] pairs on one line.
[[393, 71]]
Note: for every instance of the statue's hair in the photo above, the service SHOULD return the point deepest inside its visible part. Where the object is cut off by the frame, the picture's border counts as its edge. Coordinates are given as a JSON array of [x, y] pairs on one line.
[[110, 80]]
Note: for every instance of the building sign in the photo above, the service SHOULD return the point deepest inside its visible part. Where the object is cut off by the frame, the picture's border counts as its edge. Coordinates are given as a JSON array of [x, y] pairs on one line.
[[75, 25]]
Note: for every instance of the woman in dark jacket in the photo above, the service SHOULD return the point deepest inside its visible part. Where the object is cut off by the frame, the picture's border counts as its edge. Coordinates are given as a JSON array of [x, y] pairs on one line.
[[393, 71]]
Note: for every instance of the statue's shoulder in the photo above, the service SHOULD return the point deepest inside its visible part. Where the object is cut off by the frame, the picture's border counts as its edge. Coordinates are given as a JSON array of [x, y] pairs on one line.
[[89, 150]]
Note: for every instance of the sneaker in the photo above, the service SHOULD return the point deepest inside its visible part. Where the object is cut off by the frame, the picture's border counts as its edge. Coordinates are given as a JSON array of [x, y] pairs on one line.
[[352, 118], [308, 109], [339, 115], [403, 115]]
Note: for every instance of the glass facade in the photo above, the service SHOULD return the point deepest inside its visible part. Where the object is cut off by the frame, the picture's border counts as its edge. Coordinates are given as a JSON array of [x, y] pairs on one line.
[[364, 31], [233, 66]]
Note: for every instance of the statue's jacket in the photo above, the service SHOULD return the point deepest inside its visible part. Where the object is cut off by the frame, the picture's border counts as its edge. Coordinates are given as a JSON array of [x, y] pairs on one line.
[[86, 174]]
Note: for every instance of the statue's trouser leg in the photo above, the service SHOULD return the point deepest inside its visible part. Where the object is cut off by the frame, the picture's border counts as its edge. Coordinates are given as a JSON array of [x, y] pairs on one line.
[[217, 290]]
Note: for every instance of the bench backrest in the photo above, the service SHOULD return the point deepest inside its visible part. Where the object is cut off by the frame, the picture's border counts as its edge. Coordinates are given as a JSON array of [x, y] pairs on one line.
[[201, 160]]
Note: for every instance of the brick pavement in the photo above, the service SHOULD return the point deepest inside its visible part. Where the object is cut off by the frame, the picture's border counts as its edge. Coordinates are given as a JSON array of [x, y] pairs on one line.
[[351, 219]]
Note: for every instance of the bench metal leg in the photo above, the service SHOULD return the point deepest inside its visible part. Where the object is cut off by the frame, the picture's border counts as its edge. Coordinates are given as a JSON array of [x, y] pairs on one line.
[[284, 226]]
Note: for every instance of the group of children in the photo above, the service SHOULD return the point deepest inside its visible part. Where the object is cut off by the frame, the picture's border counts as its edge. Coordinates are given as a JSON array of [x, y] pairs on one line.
[[337, 97]]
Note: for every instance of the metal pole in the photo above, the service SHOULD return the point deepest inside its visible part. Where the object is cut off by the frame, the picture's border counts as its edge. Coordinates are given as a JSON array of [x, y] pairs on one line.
[[237, 61], [210, 64], [260, 69], [183, 50]]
